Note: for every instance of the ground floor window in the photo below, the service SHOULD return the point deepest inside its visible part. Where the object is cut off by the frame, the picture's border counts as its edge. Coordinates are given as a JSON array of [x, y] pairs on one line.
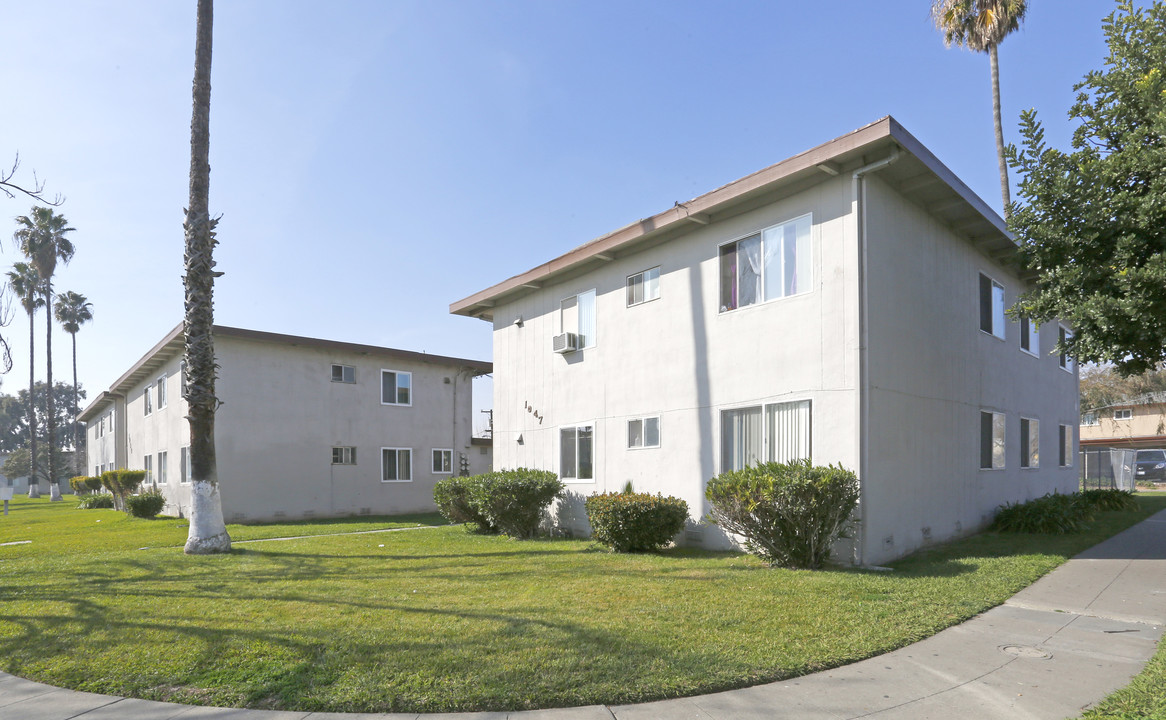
[[1065, 453], [396, 465], [184, 465], [162, 468], [778, 432], [442, 461], [343, 456], [148, 466], [1029, 443], [991, 440], [576, 453], [644, 432]]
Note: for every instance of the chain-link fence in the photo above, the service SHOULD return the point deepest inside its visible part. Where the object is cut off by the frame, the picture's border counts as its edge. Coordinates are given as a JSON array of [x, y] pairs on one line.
[[1106, 468]]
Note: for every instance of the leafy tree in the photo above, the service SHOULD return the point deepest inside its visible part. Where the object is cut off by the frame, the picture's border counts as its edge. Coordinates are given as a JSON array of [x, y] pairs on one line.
[[1102, 385], [25, 283], [980, 26], [1093, 225], [208, 532], [18, 463], [74, 310], [41, 237]]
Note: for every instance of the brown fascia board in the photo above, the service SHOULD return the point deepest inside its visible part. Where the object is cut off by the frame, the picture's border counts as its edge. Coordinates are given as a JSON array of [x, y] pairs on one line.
[[886, 131]]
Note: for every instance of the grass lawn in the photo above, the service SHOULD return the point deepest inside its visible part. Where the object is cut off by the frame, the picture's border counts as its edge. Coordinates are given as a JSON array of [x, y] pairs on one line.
[[439, 619]]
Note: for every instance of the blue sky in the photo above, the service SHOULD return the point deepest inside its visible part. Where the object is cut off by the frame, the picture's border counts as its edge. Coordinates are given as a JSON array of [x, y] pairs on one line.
[[375, 161]]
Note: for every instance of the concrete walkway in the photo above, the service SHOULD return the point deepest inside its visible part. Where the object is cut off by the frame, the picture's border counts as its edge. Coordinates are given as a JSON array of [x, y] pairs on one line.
[[1052, 650]]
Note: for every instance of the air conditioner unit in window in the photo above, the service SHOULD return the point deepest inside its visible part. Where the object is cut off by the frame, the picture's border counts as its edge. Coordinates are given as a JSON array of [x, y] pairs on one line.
[[565, 343]]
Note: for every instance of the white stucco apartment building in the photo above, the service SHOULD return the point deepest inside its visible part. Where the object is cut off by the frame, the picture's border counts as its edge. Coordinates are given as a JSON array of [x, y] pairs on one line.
[[846, 305], [307, 428]]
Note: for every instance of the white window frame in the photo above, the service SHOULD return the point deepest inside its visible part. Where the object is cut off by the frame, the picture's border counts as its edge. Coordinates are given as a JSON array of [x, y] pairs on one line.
[[648, 280], [347, 455], [398, 450], [160, 384], [149, 405], [805, 286], [997, 319], [162, 463], [998, 460], [184, 465], [1029, 455], [1030, 331], [446, 453], [1067, 363], [574, 478], [768, 453], [148, 466], [589, 339], [397, 387], [1123, 414], [1089, 419], [344, 376], [643, 421], [1065, 436]]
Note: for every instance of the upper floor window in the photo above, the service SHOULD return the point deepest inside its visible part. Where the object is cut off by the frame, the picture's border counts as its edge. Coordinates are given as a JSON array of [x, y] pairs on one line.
[[442, 461], [577, 315], [343, 456], [1124, 414], [991, 306], [396, 387], [161, 391], [644, 287], [149, 406], [343, 374], [1066, 361], [1029, 337], [1089, 418], [100, 429], [774, 263]]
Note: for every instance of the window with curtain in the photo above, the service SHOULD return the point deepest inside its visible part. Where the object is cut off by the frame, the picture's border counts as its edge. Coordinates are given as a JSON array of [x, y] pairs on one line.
[[774, 263], [396, 387], [396, 465], [991, 440], [577, 315], [788, 431]]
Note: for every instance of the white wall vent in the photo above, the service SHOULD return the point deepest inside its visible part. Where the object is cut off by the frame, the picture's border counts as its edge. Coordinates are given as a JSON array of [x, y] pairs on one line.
[[565, 343]]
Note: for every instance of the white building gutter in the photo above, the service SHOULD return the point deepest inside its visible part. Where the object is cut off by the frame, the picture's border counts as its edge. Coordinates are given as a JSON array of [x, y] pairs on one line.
[[858, 211]]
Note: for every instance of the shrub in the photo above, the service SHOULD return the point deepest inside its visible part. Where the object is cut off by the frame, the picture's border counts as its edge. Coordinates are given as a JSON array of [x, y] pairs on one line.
[[513, 501], [1110, 499], [635, 522], [1052, 514], [453, 501], [78, 484], [96, 500], [789, 514], [93, 483], [145, 505], [121, 484]]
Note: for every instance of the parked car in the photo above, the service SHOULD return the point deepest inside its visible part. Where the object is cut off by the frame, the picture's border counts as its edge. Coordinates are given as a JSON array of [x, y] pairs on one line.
[[1150, 465]]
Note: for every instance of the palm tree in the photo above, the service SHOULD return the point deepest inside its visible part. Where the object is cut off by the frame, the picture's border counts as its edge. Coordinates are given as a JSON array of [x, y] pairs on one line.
[[208, 533], [980, 26], [74, 310], [42, 240], [25, 284]]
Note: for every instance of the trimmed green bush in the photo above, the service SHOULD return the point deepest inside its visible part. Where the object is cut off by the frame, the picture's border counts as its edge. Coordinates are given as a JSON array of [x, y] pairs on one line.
[[1110, 499], [453, 501], [79, 485], [145, 505], [93, 483], [635, 522], [1052, 514], [95, 501], [789, 514], [122, 484]]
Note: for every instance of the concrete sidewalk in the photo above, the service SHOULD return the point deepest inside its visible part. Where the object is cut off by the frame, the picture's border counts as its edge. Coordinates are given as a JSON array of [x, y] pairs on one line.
[[1052, 650]]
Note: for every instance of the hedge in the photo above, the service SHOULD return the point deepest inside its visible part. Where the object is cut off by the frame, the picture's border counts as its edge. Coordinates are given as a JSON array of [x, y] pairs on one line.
[[635, 522]]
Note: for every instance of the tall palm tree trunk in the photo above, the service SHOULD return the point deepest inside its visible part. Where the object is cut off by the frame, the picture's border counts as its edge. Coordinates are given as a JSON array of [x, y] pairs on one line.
[[50, 404], [78, 469], [1004, 193], [208, 533], [33, 484]]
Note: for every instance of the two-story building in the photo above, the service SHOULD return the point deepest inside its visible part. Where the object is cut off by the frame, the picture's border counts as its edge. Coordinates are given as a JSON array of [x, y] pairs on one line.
[[1137, 422], [306, 428], [845, 305]]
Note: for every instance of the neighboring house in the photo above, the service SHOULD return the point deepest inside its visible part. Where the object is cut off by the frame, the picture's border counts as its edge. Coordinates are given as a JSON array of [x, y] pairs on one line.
[[19, 485], [306, 428], [1138, 422], [846, 305]]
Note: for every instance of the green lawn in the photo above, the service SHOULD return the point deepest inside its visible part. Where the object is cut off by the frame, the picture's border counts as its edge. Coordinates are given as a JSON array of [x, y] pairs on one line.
[[439, 619]]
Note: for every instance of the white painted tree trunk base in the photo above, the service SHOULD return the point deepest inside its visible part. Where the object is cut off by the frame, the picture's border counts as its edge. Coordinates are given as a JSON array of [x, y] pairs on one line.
[[55, 492], [33, 491], [208, 533]]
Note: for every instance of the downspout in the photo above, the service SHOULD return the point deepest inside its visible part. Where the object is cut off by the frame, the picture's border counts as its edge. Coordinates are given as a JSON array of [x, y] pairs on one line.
[[858, 211]]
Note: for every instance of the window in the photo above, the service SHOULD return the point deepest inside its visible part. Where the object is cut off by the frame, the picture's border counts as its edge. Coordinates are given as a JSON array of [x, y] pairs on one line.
[[644, 287], [100, 430], [991, 440], [148, 464], [991, 306], [1126, 414], [343, 456], [644, 432], [184, 465], [146, 400], [1065, 450], [576, 453], [1029, 337], [343, 374], [442, 461], [162, 468], [396, 465], [778, 432], [396, 387], [1029, 443], [161, 386], [577, 315], [1089, 418], [1066, 361], [774, 263]]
